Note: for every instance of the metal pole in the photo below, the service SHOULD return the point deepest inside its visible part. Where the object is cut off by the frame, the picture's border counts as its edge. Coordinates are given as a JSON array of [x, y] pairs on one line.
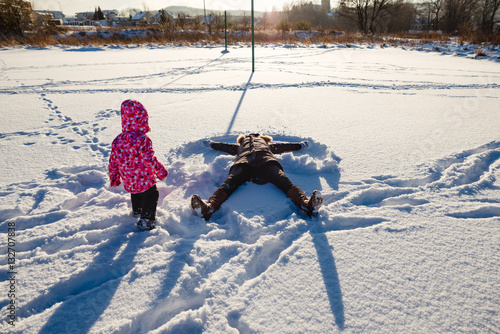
[[225, 28], [205, 13], [253, 42]]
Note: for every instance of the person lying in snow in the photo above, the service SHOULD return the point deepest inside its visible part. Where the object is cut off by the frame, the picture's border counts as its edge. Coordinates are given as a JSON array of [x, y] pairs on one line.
[[133, 160], [255, 162]]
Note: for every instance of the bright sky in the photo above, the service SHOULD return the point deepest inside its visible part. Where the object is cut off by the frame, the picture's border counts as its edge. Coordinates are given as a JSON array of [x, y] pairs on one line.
[[70, 7]]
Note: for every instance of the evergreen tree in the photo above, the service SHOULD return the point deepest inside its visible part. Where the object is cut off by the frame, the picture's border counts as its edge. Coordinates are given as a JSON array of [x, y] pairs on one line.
[[100, 14], [163, 18]]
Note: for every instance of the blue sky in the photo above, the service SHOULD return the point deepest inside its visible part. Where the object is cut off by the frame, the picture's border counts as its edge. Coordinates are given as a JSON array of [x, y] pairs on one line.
[[69, 7]]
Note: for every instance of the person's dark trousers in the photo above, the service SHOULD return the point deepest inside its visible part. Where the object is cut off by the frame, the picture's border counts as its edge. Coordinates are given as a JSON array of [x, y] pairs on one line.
[[271, 173], [145, 203], [238, 175]]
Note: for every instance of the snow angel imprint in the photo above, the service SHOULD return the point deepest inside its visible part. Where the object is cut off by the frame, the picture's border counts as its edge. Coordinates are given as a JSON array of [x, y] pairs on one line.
[[255, 162]]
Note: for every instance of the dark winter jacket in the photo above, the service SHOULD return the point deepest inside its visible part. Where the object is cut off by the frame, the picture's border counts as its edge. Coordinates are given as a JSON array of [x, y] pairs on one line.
[[255, 150]]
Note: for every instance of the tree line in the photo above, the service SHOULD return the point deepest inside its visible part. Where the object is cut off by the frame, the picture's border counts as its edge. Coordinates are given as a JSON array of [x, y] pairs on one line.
[[393, 16], [450, 16], [366, 16]]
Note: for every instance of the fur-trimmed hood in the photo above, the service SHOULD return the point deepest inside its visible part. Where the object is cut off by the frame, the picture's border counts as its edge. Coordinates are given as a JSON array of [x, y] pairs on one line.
[[267, 139]]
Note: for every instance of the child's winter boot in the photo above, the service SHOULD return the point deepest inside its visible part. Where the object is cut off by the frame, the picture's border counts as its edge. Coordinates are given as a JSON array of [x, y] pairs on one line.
[[146, 224]]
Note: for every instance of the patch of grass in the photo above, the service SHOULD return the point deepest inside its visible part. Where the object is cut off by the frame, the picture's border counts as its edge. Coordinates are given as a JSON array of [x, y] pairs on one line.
[[147, 35], [480, 53], [481, 38]]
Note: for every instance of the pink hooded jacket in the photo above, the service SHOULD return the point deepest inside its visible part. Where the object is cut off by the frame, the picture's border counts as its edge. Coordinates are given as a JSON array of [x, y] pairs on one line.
[[132, 157]]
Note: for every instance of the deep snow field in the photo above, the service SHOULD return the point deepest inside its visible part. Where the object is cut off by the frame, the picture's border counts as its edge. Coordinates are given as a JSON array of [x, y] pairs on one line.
[[403, 143]]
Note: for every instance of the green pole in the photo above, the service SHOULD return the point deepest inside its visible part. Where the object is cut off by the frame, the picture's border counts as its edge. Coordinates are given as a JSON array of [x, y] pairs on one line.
[[225, 28], [253, 43]]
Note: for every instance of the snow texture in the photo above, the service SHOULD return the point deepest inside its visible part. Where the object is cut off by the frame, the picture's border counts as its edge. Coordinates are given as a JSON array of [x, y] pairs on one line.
[[403, 144]]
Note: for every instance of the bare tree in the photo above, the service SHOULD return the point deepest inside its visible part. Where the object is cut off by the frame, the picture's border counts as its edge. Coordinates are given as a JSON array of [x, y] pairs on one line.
[[437, 6], [325, 5], [218, 20], [489, 10], [433, 11], [366, 13], [401, 16], [458, 14]]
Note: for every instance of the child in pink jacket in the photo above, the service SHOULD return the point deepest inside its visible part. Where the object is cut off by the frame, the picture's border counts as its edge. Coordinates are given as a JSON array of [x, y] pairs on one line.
[[133, 161]]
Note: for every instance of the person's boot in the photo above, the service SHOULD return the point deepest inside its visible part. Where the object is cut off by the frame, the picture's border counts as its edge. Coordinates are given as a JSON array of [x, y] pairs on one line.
[[146, 224], [207, 209], [314, 203], [309, 206]]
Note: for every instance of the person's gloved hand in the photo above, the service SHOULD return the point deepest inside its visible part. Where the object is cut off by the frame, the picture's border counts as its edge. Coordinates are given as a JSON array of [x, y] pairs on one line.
[[304, 144]]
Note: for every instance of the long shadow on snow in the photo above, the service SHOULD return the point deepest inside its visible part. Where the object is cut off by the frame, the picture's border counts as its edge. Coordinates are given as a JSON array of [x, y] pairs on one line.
[[271, 252], [164, 309], [239, 105], [86, 295], [327, 261], [329, 273]]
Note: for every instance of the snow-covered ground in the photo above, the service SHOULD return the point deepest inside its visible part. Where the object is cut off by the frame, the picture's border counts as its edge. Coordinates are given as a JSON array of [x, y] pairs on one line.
[[404, 145]]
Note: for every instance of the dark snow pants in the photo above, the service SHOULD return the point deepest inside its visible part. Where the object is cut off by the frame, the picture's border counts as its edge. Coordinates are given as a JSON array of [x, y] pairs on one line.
[[145, 203], [242, 173]]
